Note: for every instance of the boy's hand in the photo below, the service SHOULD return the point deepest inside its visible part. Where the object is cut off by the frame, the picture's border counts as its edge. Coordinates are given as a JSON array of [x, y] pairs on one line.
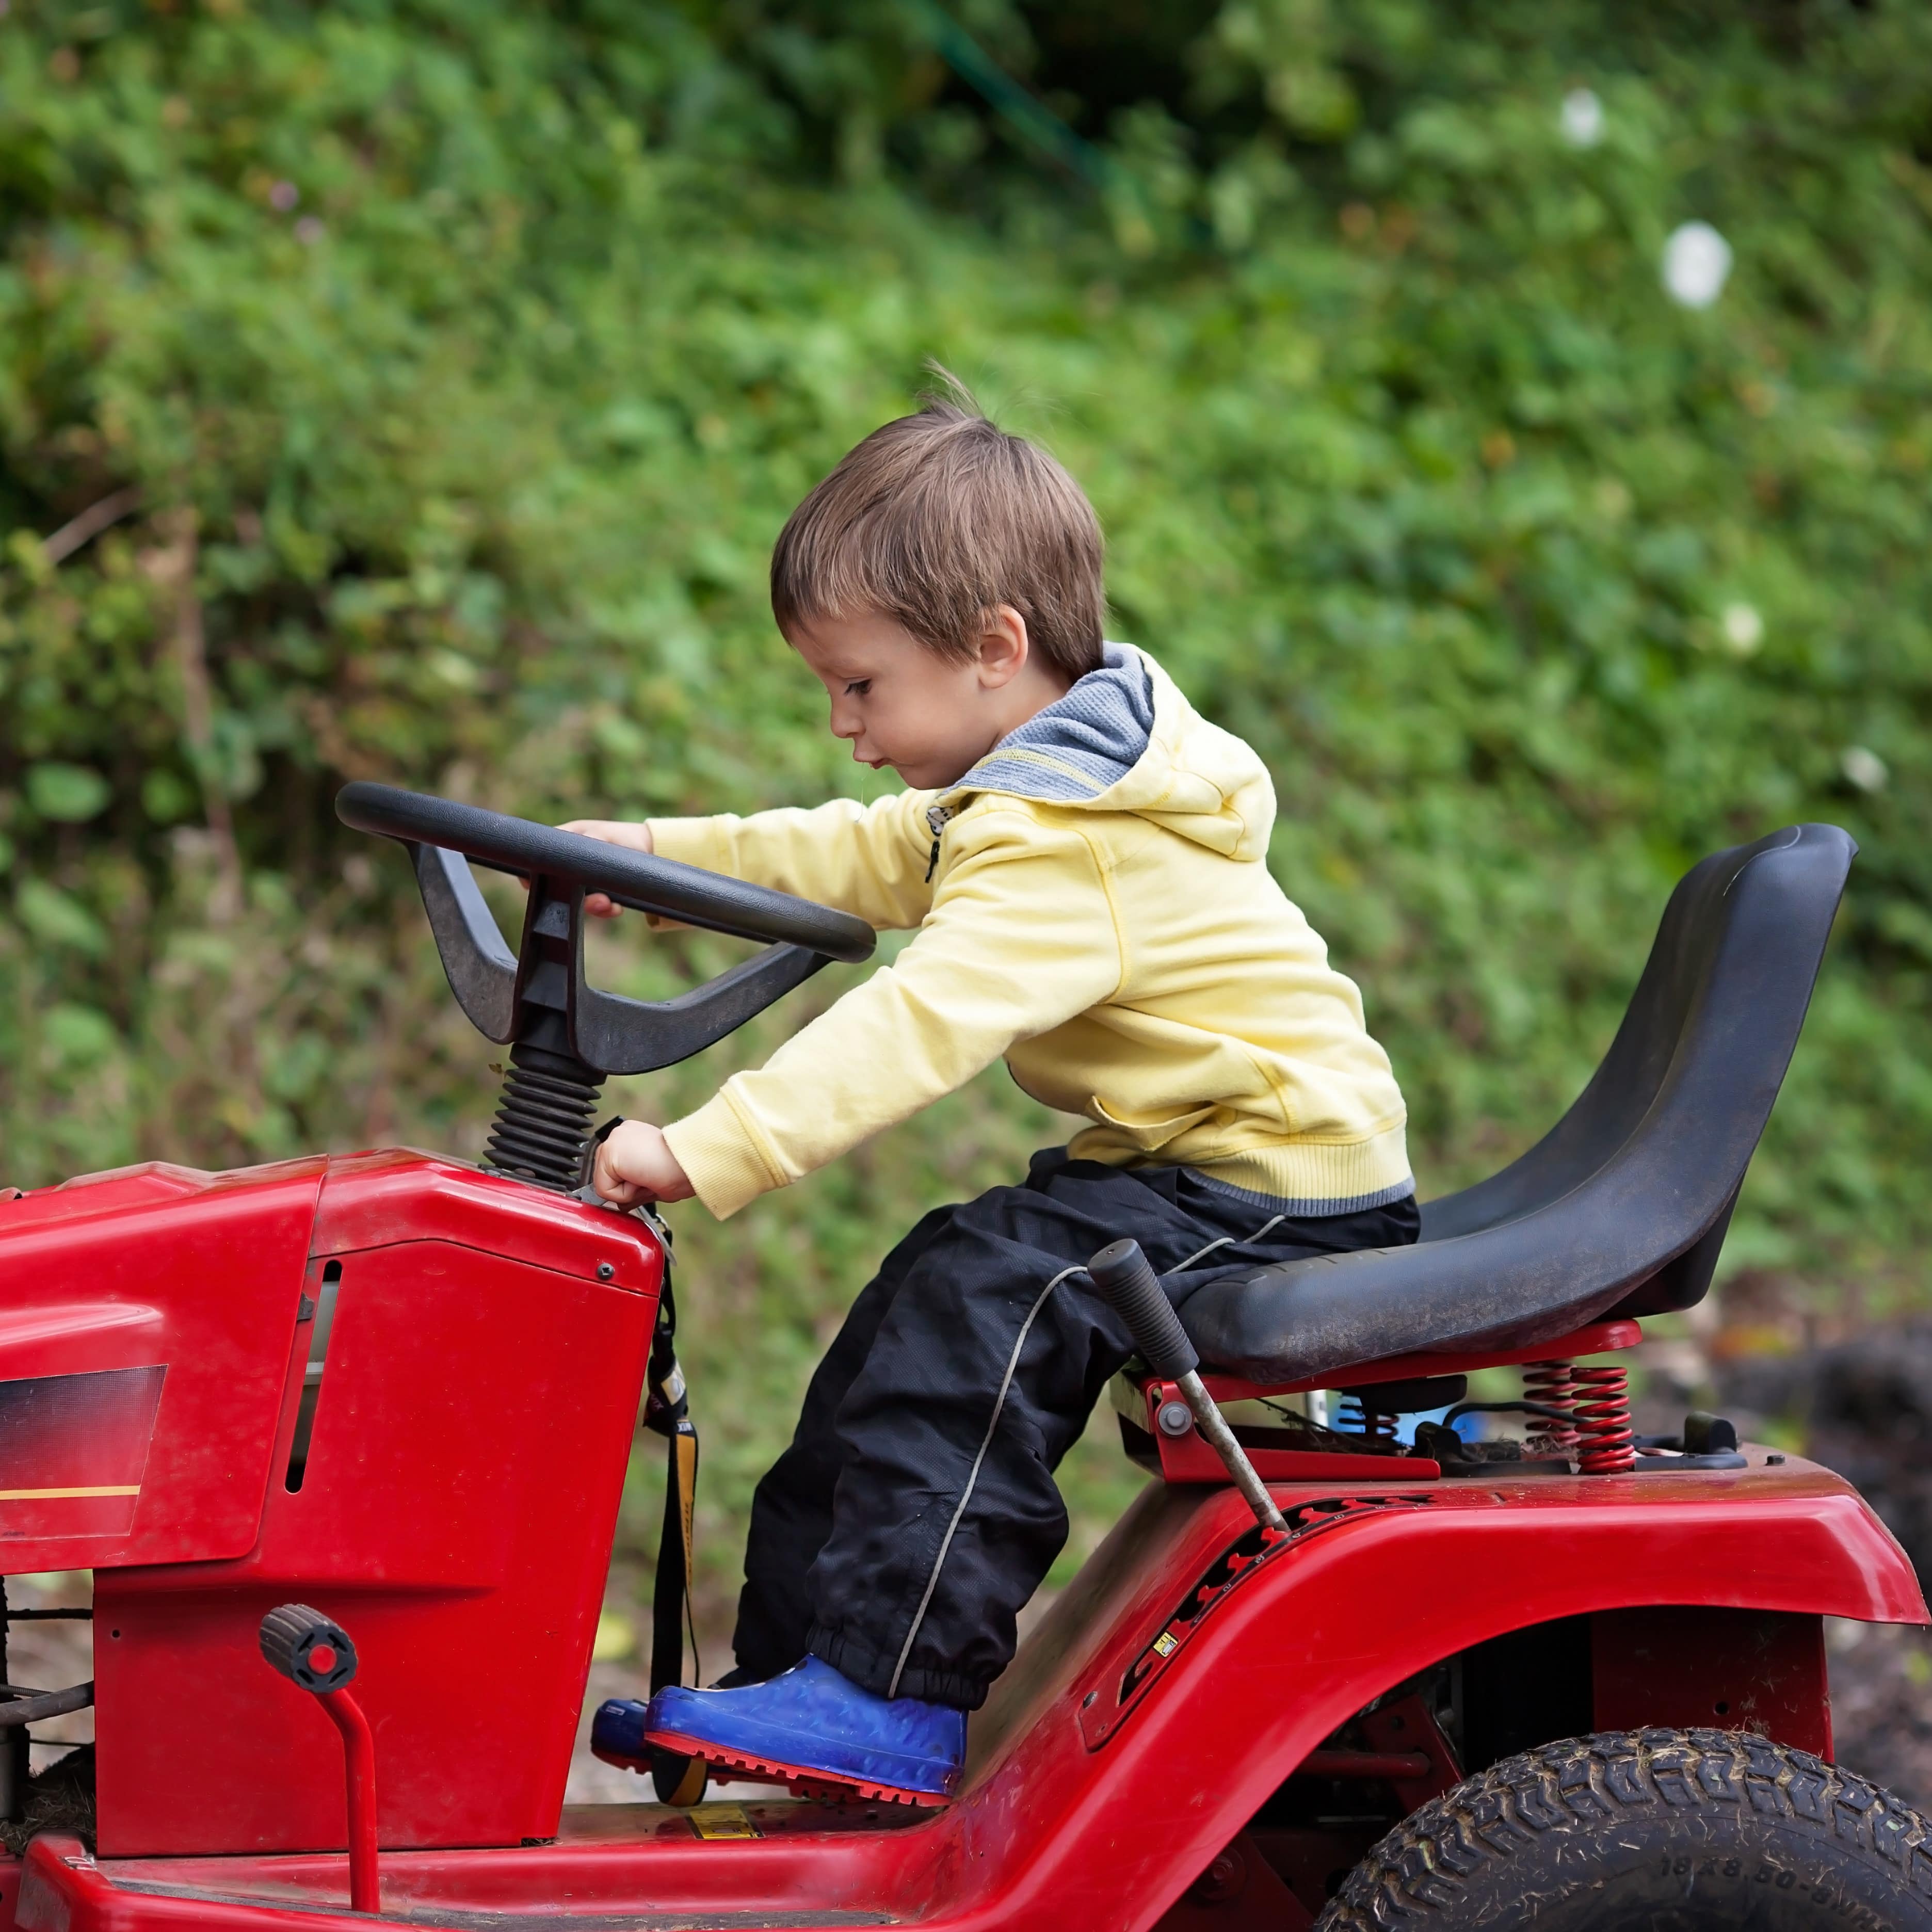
[[635, 1163], [612, 832]]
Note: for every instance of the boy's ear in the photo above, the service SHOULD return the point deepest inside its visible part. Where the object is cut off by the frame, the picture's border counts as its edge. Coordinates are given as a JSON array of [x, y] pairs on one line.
[[1004, 646]]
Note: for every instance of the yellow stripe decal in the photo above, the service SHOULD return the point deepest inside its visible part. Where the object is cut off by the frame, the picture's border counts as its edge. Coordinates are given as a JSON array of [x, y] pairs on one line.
[[54, 1495]]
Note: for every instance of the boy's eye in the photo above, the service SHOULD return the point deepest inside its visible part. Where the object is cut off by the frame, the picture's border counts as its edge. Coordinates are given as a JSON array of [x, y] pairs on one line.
[[859, 687]]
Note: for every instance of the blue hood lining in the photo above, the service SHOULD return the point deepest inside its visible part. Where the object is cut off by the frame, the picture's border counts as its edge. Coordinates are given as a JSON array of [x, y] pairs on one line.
[[1080, 744]]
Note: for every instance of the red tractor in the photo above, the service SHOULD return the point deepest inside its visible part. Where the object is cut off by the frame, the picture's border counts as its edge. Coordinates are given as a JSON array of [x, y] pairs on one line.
[[349, 1432]]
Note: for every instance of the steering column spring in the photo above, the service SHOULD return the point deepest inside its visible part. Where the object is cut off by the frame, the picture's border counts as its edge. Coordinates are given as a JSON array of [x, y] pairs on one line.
[[1608, 1446], [543, 1119]]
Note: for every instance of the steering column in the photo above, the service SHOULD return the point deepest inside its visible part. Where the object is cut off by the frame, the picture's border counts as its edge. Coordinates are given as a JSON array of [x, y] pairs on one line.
[[566, 1035]]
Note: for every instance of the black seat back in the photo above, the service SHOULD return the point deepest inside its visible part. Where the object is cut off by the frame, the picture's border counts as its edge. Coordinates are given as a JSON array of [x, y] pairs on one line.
[[1620, 1209]]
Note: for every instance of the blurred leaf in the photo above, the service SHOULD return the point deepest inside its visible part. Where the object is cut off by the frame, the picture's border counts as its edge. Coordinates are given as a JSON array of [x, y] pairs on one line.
[[166, 796], [70, 794], [80, 1036], [58, 920]]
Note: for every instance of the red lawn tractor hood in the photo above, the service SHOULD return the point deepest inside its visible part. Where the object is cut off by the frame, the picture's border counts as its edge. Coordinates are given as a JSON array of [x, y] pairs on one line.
[[387, 1382]]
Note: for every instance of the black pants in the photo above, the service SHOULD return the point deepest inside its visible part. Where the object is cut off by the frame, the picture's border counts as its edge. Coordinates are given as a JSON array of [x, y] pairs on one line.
[[915, 1513]]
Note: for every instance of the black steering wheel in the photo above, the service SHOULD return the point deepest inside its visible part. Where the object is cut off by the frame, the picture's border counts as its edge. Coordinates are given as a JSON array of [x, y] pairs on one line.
[[638, 880], [538, 997]]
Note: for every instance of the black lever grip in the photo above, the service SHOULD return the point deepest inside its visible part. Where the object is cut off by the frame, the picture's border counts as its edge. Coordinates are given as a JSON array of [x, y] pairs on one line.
[[1124, 1276], [308, 1648]]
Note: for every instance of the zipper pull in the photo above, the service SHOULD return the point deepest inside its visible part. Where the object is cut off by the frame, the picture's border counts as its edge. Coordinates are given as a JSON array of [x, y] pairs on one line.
[[936, 816]]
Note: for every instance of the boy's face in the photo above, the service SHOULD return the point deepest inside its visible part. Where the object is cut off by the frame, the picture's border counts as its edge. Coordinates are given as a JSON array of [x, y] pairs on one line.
[[931, 718]]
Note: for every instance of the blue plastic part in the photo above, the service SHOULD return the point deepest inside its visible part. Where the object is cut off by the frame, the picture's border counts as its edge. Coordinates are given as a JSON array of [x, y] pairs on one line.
[[617, 1733], [810, 1719]]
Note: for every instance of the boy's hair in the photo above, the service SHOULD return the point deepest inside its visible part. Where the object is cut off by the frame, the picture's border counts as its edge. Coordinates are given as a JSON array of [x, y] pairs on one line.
[[934, 519]]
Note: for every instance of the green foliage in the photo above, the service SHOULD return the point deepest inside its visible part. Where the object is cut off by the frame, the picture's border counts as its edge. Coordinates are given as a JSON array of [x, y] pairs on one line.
[[414, 390]]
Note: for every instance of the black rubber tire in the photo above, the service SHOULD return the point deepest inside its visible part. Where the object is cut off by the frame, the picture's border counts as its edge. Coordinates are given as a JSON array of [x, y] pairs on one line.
[[1650, 1832]]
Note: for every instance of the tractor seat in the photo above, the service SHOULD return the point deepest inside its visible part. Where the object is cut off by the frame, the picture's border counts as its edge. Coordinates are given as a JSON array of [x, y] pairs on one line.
[[1622, 1208]]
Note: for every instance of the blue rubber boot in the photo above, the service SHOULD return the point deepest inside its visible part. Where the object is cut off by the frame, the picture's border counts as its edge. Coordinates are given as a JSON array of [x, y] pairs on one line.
[[808, 1726]]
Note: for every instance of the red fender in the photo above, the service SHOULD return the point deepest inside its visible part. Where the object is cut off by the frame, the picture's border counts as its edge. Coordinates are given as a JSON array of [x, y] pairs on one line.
[[1354, 1605]]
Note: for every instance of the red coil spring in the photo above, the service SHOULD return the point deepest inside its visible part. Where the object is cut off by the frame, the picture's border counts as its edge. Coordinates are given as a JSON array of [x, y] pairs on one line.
[[1554, 1385], [1604, 1421], [1378, 1424]]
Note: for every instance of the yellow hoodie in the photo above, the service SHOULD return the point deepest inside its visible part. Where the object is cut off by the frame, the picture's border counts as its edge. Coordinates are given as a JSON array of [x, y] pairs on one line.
[[1092, 902]]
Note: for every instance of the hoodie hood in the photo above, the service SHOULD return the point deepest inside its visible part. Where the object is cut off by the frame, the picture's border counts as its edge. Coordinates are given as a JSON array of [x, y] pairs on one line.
[[1123, 738]]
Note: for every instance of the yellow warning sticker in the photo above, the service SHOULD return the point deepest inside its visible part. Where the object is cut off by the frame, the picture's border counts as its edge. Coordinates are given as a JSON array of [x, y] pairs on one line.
[[722, 1821], [1167, 1643]]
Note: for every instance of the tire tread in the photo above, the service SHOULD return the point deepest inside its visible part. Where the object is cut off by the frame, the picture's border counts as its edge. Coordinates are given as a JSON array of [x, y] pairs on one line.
[[1487, 1820]]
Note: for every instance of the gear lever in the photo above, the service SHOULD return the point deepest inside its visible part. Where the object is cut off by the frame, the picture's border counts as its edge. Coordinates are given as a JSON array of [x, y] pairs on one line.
[[1123, 1275]]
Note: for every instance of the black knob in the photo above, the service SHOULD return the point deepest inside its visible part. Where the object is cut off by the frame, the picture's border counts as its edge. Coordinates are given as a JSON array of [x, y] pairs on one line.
[[308, 1648], [1123, 1275], [1707, 1435]]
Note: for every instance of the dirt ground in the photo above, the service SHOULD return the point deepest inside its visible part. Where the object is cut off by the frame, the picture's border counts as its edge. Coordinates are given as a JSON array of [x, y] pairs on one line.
[[1881, 1705]]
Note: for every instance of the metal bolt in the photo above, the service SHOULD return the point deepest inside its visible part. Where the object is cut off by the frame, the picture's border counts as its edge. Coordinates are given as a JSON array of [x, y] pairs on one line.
[[605, 1270], [1175, 1418], [1223, 1880]]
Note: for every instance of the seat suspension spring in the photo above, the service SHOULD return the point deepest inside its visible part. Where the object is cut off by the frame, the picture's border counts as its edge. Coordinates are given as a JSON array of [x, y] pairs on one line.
[[1355, 1416], [543, 1119], [1554, 1385], [1604, 1419]]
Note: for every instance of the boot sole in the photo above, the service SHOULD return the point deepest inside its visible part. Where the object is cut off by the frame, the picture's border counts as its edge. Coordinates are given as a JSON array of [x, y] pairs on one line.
[[800, 1779]]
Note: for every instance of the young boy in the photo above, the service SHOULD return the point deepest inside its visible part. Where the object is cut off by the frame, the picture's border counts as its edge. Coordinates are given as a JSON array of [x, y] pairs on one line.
[[1082, 856]]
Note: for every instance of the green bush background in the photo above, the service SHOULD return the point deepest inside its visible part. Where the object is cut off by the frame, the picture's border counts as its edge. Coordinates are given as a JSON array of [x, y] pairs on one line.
[[439, 375]]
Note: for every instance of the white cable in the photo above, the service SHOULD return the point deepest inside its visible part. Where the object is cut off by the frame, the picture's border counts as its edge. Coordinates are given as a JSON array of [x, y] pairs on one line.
[[973, 1476], [1227, 1241], [999, 1406]]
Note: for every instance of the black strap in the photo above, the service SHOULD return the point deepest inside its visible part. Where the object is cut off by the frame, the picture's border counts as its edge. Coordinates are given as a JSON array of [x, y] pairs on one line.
[[668, 1412], [678, 1779]]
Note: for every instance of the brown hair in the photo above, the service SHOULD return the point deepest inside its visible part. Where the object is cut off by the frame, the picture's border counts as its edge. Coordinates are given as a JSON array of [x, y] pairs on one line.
[[934, 519]]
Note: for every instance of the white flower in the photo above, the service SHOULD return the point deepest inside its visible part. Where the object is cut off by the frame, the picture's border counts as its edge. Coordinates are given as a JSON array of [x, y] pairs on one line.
[[1583, 118], [1744, 629], [1865, 769], [1697, 264]]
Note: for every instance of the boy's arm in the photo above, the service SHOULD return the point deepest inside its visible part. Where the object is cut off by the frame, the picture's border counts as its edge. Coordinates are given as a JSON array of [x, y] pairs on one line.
[[869, 860], [1021, 938]]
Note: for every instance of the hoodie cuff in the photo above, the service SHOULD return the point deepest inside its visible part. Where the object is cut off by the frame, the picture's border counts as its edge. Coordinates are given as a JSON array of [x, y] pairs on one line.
[[723, 1156], [691, 842]]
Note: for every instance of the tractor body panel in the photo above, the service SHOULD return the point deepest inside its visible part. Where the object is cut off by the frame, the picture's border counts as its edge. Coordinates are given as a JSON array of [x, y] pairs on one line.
[[1100, 1784], [413, 1402], [145, 1332]]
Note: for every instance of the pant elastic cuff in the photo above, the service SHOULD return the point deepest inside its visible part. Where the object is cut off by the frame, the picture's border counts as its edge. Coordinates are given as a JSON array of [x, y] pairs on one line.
[[851, 1656]]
